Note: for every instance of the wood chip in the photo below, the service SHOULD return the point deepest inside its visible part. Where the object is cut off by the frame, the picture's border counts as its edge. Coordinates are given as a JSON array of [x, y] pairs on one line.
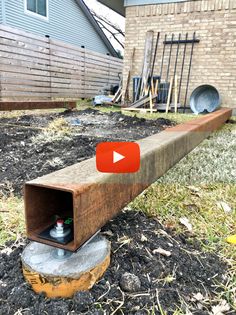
[[185, 221], [221, 308], [162, 251], [108, 233], [198, 297]]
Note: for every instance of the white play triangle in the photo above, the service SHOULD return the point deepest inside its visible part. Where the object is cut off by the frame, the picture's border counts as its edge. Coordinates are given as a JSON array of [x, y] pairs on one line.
[[117, 157]]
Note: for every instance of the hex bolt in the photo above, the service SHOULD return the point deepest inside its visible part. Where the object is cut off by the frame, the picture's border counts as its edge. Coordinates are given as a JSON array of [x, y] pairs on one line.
[[59, 231], [60, 228], [61, 252]]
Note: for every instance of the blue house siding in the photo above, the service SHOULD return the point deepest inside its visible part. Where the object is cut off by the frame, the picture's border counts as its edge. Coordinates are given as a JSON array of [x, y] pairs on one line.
[[66, 22], [1, 7]]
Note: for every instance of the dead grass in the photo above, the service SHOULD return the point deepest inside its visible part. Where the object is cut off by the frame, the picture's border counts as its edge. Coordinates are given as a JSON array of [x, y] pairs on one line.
[[19, 113], [201, 205], [12, 223], [195, 189], [178, 118], [56, 130]]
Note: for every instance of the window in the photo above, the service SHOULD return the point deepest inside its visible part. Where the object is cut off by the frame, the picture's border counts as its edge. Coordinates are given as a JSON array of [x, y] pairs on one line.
[[37, 7]]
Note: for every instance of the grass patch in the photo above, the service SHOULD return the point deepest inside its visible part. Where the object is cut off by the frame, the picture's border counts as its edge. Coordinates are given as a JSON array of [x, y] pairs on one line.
[[57, 130], [19, 113], [200, 204], [212, 161], [178, 118], [12, 223], [195, 189]]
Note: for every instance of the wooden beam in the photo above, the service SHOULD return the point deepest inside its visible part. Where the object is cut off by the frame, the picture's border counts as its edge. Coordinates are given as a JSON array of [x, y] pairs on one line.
[[4, 106]]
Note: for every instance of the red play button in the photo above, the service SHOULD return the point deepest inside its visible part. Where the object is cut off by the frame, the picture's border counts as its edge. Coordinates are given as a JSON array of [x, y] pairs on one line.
[[118, 157]]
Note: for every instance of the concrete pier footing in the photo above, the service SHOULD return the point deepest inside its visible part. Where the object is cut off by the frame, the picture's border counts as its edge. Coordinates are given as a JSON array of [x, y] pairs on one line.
[[59, 276]]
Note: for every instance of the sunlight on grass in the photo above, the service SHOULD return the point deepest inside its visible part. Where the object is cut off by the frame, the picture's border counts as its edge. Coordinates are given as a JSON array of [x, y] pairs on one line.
[[195, 187], [200, 204], [178, 118]]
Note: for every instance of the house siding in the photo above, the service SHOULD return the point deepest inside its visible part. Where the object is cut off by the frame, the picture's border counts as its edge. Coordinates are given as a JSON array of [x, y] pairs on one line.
[[1, 6], [66, 23]]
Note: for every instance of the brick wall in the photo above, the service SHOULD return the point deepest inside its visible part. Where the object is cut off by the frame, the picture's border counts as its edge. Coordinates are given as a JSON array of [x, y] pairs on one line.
[[214, 59]]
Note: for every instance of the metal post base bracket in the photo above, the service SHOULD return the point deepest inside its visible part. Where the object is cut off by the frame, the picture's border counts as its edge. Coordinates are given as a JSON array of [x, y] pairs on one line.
[[60, 276], [92, 198]]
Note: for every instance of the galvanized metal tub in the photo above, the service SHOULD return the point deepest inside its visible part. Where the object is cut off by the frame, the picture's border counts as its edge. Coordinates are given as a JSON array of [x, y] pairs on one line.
[[205, 98]]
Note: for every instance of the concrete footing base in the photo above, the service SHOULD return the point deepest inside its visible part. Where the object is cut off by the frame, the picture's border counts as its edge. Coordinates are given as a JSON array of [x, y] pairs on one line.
[[58, 276]]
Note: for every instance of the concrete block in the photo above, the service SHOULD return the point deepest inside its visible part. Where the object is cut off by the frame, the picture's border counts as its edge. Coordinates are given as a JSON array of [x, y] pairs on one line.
[[63, 277]]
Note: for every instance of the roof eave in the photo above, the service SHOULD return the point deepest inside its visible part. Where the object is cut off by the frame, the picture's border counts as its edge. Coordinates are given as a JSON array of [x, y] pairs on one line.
[[96, 26], [117, 6]]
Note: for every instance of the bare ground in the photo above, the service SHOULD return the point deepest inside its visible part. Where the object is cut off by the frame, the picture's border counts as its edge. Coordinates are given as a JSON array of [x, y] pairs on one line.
[[186, 282]]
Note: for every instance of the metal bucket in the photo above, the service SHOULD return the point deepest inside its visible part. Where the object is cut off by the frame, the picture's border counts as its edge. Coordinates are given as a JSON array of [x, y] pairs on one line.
[[205, 98]]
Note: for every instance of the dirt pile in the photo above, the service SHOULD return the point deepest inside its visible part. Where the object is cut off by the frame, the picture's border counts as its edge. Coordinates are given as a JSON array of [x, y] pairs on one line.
[[24, 156]]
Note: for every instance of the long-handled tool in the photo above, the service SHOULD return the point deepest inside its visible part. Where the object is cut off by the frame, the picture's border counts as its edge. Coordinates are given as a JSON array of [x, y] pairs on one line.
[[176, 93], [168, 70], [162, 64], [163, 56], [151, 84], [177, 55], [151, 102], [170, 55], [146, 62], [126, 90], [169, 95], [182, 68], [189, 70], [155, 56], [140, 81], [148, 85]]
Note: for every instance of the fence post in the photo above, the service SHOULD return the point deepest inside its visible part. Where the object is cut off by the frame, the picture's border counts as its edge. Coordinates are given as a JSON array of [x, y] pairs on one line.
[[49, 66]]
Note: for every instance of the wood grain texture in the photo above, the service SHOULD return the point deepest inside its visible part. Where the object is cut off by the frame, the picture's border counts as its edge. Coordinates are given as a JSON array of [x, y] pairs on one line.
[[41, 69]]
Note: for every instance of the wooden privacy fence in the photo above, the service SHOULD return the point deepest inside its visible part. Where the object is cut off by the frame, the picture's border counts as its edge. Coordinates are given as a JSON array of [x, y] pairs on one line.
[[36, 68]]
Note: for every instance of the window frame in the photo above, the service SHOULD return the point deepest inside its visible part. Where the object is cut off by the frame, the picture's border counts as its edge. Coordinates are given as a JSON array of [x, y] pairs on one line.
[[36, 15]]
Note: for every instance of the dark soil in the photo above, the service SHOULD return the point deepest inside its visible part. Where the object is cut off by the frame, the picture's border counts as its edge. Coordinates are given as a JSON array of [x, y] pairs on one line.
[[23, 160], [170, 281], [167, 281]]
